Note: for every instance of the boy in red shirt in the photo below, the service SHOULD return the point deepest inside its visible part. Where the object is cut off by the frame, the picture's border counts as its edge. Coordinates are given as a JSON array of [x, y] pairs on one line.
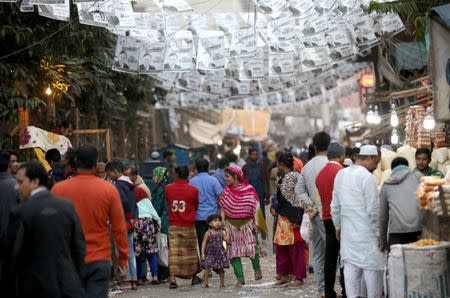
[[325, 184], [182, 203]]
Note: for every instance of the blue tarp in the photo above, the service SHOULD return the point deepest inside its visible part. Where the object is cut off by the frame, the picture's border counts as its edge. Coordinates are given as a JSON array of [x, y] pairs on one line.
[[443, 12]]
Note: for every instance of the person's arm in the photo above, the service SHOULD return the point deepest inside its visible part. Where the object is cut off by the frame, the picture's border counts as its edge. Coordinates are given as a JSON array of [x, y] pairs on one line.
[[118, 227], [336, 207], [226, 236], [384, 218], [218, 189], [205, 241], [78, 246], [301, 191], [196, 200], [153, 212], [266, 180], [372, 201]]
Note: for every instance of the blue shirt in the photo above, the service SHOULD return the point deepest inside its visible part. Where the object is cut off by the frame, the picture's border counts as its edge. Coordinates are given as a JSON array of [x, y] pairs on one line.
[[209, 189], [220, 176]]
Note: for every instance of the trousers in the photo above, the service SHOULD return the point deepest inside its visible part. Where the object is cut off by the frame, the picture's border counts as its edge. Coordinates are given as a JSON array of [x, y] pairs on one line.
[[96, 279], [132, 275], [331, 260], [152, 260], [356, 277], [290, 259], [236, 263], [318, 252]]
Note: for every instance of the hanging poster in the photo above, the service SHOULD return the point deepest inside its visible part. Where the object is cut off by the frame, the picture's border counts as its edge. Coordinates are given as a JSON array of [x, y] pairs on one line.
[[251, 68], [179, 51], [162, 22], [151, 56], [142, 26], [257, 20], [388, 24], [364, 30], [281, 64], [26, 6], [127, 53], [166, 80], [213, 85], [313, 58], [226, 22], [259, 101], [188, 81], [281, 30], [313, 25], [170, 7], [240, 88], [108, 13], [60, 12], [243, 42], [282, 47], [337, 37], [301, 93], [271, 6], [42, 2], [288, 96], [196, 21], [301, 7], [342, 53], [316, 40], [211, 50], [274, 98]]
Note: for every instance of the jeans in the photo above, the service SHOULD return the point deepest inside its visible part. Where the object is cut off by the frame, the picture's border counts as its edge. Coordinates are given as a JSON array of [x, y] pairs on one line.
[[152, 260], [318, 252], [331, 259], [132, 274], [96, 279], [201, 227]]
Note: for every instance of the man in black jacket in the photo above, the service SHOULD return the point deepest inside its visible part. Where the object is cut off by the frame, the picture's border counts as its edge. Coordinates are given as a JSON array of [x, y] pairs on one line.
[[46, 242]]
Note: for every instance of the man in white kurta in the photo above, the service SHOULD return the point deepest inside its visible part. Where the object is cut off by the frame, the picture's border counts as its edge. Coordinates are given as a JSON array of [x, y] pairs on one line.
[[354, 210]]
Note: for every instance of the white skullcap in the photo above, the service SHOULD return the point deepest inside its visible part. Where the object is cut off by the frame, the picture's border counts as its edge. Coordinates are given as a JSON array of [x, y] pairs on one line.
[[348, 162], [155, 154], [368, 150]]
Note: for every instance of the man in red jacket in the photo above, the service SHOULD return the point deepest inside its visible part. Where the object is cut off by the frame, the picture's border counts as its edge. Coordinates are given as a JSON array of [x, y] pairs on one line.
[[325, 184], [182, 203]]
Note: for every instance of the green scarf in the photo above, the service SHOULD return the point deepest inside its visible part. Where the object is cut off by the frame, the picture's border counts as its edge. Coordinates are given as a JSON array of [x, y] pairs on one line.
[[160, 173]]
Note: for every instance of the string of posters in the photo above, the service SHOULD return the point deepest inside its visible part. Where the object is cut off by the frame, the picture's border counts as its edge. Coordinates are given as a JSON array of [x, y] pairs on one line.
[[282, 52]]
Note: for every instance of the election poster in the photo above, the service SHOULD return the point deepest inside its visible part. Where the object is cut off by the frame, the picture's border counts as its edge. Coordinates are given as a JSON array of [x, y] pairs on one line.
[[210, 50]]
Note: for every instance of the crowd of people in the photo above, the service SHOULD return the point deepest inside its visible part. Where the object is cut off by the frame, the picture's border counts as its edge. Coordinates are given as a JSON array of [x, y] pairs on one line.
[[86, 227]]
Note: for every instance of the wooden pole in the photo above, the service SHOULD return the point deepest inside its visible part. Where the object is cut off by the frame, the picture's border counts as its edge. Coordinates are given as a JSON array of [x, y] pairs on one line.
[[108, 144]]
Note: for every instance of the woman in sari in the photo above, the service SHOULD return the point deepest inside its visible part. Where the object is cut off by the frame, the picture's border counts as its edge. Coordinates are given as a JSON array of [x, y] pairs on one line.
[[160, 205], [290, 250], [243, 217]]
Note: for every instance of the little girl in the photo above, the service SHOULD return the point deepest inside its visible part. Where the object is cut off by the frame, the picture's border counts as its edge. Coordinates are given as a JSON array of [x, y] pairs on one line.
[[214, 250]]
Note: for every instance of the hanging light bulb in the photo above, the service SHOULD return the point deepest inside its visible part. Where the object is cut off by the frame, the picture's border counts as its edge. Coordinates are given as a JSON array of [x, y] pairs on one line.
[[219, 142], [369, 116], [428, 122], [394, 137], [376, 116], [219, 156], [394, 117], [48, 91]]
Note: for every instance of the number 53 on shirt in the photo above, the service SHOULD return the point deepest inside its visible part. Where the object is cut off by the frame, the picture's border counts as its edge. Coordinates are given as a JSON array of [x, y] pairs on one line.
[[178, 206]]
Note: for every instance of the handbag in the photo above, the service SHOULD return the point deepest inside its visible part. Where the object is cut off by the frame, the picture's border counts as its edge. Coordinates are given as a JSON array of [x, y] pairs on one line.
[[163, 254]]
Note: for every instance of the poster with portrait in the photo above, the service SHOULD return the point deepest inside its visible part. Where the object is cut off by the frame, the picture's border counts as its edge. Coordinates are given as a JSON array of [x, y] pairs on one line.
[[338, 36], [243, 42], [251, 68], [166, 80], [274, 99], [126, 56], [364, 30], [92, 13], [313, 41], [271, 6], [42, 2], [388, 24], [281, 30], [171, 7], [189, 99], [301, 7], [179, 51], [301, 93], [172, 99], [259, 101], [282, 47], [196, 21], [226, 22], [239, 88], [342, 53], [162, 22], [257, 20], [60, 12], [116, 14], [210, 50], [312, 25], [26, 6], [212, 85], [189, 81], [281, 64], [288, 96], [151, 56], [314, 58]]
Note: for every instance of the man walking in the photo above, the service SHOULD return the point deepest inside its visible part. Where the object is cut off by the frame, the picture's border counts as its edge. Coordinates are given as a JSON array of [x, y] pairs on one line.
[[98, 206], [257, 175], [209, 190], [183, 203], [355, 213], [325, 183], [306, 191], [47, 243]]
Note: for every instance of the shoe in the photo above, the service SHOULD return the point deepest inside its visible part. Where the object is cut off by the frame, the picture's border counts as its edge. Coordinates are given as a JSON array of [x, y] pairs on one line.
[[173, 285], [196, 281], [239, 284], [258, 275], [311, 270], [155, 282], [284, 280], [296, 284]]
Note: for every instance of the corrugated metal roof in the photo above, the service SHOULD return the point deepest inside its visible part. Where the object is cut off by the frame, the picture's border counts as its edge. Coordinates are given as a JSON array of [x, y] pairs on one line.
[[443, 12]]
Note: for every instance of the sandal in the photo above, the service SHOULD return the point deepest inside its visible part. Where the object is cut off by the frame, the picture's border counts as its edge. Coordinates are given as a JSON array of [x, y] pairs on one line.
[[196, 280], [134, 286], [296, 284], [173, 285], [205, 286], [239, 284], [258, 275], [284, 280]]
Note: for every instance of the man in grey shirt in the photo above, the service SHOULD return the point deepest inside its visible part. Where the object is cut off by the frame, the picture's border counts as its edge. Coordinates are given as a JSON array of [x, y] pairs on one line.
[[306, 192]]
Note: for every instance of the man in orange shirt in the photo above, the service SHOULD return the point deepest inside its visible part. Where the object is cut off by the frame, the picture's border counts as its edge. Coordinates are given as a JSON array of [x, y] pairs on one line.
[[97, 203]]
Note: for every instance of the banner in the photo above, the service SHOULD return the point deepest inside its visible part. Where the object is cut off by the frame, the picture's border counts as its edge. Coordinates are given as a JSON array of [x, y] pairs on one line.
[[126, 56], [179, 51]]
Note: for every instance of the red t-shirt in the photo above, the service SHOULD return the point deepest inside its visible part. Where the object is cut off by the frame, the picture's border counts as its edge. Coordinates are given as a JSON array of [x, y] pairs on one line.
[[182, 203], [325, 184]]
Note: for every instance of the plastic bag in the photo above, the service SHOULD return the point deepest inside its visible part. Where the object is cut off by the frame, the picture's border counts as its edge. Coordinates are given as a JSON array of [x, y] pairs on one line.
[[305, 228], [163, 254]]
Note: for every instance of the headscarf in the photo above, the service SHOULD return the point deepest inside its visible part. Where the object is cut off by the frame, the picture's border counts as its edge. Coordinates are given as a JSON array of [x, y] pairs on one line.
[[141, 184], [160, 173], [239, 200]]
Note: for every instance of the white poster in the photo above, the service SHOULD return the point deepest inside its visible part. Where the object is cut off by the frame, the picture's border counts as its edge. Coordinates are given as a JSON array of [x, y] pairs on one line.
[[281, 30], [109, 13], [162, 22], [213, 85], [388, 24], [226, 22], [311, 26], [259, 101], [301, 93], [288, 96], [342, 53], [364, 30], [179, 51], [271, 6], [173, 6], [243, 42], [337, 37], [251, 68], [127, 53], [281, 64], [211, 50], [42, 2], [274, 99], [283, 47], [301, 7], [188, 81], [151, 56], [316, 40], [314, 58], [257, 20], [26, 6], [60, 12], [196, 21]]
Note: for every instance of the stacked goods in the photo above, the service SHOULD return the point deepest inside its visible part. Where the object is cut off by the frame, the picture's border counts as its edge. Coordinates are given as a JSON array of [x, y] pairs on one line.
[[414, 119], [441, 159], [419, 270], [433, 194], [438, 135], [409, 153]]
